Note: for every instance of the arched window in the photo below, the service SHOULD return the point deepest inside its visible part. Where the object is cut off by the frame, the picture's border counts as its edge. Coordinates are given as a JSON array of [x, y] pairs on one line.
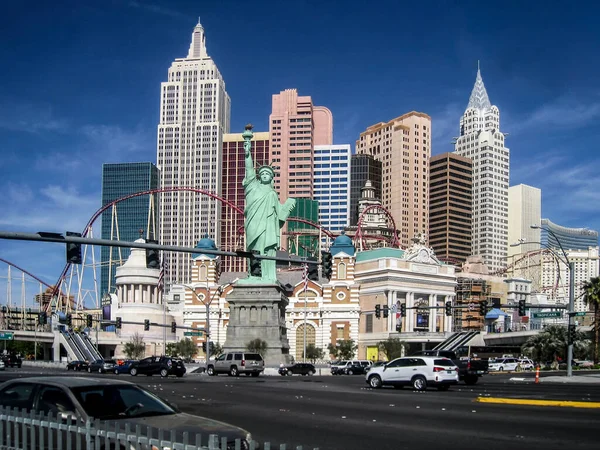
[[341, 272], [311, 338], [203, 275]]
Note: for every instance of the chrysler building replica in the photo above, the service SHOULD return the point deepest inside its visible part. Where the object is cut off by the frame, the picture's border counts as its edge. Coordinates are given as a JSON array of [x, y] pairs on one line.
[[194, 114], [481, 140]]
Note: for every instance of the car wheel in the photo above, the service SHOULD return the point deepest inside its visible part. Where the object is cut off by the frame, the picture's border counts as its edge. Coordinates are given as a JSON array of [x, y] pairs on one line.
[[164, 372], [234, 372], [419, 383], [133, 372], [89, 370], [501, 369], [68, 368], [375, 381], [471, 379], [443, 387], [100, 371], [310, 373], [210, 371], [116, 372]]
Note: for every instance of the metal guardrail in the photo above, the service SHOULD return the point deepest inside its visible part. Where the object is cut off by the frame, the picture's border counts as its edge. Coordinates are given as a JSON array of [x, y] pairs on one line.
[[20, 430]]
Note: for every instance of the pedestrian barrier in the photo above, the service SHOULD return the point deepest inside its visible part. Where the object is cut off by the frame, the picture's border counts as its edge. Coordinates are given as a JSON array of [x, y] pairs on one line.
[[21, 430], [537, 374]]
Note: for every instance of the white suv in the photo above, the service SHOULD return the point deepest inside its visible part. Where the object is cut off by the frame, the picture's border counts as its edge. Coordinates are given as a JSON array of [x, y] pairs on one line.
[[416, 371], [503, 364]]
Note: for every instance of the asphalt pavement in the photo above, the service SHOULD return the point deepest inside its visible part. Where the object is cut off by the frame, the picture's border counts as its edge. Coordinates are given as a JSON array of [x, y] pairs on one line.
[[344, 413]]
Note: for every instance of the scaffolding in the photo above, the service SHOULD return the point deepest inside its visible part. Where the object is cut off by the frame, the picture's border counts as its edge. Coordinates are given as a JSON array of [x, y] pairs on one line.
[[470, 293]]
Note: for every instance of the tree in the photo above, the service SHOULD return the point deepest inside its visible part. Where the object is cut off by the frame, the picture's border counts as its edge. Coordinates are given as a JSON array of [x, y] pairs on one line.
[[217, 349], [392, 348], [344, 349], [187, 349], [135, 348], [257, 346], [172, 349], [551, 344], [313, 353], [591, 297]]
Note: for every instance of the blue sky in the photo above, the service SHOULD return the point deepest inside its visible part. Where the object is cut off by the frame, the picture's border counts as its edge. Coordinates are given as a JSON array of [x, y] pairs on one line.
[[80, 87]]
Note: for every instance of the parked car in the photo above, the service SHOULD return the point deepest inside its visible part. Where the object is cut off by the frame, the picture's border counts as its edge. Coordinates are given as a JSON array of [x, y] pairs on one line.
[[345, 367], [298, 369], [158, 365], [236, 363], [419, 372], [2, 365], [102, 366], [502, 364], [123, 366], [111, 402], [469, 369], [526, 364], [358, 367], [12, 360], [77, 365]]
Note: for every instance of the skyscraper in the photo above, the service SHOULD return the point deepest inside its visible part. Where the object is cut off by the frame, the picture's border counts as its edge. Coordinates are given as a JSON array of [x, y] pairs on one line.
[[125, 220], [450, 206], [296, 126], [234, 170], [332, 185], [403, 145], [194, 115], [524, 210], [481, 140], [569, 238], [363, 168]]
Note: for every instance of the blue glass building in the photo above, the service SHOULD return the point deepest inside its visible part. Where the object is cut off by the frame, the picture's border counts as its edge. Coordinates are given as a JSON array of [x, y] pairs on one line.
[[120, 180], [570, 238]]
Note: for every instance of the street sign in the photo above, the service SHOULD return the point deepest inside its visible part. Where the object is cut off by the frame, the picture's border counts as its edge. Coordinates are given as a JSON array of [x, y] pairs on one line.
[[578, 314], [7, 336], [547, 314], [193, 333]]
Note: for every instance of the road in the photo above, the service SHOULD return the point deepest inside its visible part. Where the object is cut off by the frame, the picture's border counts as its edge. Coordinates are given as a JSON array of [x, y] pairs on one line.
[[344, 413]]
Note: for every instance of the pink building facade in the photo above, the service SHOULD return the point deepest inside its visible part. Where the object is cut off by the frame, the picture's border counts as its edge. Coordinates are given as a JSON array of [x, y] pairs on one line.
[[296, 126]]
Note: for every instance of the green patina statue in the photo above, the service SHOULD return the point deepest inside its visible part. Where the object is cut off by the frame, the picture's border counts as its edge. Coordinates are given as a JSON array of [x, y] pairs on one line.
[[265, 216]]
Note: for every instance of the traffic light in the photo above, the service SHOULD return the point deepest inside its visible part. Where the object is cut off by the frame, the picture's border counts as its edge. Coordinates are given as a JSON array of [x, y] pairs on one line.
[[386, 311], [255, 265], [483, 308], [522, 311], [572, 334], [378, 311], [327, 261], [448, 308], [88, 321], [147, 325], [69, 320], [73, 249], [118, 322], [313, 271], [173, 327], [399, 326], [403, 309], [204, 346], [211, 346], [152, 259]]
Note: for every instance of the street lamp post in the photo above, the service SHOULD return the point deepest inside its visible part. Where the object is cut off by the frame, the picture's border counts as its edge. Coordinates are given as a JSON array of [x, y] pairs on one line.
[[571, 265]]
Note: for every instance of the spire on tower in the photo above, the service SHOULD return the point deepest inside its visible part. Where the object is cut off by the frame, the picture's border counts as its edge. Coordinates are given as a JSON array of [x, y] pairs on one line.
[[198, 45], [479, 98]]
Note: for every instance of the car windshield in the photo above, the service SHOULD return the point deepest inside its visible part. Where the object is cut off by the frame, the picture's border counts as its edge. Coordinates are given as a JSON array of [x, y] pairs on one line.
[[114, 402]]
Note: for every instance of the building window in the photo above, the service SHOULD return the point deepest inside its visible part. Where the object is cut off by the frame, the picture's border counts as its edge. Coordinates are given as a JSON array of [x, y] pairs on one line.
[[369, 323], [341, 272]]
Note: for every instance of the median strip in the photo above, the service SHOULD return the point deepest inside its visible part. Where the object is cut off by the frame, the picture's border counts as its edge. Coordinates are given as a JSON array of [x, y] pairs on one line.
[[532, 402]]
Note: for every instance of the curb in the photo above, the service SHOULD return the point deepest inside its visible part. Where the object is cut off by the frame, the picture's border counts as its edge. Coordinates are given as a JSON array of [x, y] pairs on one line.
[[532, 402]]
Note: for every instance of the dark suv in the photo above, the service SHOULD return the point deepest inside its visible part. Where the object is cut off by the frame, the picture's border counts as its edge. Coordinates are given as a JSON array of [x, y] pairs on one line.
[[12, 360], [158, 365]]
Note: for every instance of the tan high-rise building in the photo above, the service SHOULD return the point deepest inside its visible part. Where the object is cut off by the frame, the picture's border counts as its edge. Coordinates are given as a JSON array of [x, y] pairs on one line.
[[450, 206], [234, 170], [403, 145], [296, 126]]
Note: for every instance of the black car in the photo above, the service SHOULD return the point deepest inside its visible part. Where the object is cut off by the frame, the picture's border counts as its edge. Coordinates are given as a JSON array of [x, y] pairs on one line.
[[113, 403], [102, 366], [158, 365], [298, 369], [12, 360], [77, 365]]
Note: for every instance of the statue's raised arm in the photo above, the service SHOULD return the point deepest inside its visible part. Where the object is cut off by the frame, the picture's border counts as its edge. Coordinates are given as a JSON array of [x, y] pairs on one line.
[[249, 164]]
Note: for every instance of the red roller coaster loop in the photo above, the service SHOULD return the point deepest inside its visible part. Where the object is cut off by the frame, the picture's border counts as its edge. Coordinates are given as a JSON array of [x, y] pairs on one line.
[[359, 232], [138, 194], [26, 272]]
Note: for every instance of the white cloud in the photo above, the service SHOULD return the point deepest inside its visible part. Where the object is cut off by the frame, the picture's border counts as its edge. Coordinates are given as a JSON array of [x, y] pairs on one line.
[[113, 141], [30, 118]]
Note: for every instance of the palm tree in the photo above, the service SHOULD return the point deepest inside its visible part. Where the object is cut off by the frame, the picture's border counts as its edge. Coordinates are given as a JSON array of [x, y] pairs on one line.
[[547, 345], [591, 291]]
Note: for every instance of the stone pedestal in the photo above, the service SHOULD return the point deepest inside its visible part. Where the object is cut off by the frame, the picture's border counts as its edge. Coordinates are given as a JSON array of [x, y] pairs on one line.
[[258, 311]]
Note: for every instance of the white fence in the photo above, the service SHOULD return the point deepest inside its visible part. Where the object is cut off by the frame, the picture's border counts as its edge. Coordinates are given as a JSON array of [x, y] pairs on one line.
[[21, 430]]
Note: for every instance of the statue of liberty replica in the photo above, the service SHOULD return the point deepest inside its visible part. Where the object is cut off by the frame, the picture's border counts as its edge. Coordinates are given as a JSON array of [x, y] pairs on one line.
[[257, 303], [264, 215]]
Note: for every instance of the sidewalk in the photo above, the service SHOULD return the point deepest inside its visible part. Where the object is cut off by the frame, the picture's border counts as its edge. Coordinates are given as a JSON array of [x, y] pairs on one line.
[[576, 379]]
